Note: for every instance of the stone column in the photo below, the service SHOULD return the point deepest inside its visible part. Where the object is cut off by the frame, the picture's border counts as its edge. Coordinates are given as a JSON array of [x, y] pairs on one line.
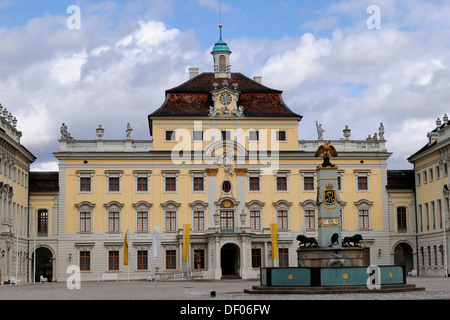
[[329, 221]]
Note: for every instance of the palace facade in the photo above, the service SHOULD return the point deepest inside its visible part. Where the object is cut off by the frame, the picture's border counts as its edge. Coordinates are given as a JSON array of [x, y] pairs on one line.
[[224, 164], [431, 168], [15, 161], [222, 187]]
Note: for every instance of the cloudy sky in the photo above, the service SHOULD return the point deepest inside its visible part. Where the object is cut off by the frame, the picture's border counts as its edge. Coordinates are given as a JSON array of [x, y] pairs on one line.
[[333, 69]]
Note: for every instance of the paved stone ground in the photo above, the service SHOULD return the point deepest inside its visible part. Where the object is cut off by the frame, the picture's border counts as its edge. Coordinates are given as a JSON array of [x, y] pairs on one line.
[[436, 289]]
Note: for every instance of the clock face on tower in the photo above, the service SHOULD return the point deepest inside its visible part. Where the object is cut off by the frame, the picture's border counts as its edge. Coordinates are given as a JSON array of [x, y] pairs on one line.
[[225, 98]]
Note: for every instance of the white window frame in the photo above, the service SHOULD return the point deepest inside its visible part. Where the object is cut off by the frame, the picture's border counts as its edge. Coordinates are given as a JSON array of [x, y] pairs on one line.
[[283, 205], [255, 205], [199, 206], [142, 174], [111, 207], [281, 174], [277, 136], [252, 139], [362, 174], [254, 174], [198, 174], [340, 174], [198, 131], [309, 174], [85, 174], [142, 206], [113, 174], [364, 204], [175, 135], [85, 207], [310, 205], [170, 174], [171, 206]]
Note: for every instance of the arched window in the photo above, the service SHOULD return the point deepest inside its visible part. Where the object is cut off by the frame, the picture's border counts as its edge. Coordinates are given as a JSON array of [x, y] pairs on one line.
[[222, 63], [363, 207]]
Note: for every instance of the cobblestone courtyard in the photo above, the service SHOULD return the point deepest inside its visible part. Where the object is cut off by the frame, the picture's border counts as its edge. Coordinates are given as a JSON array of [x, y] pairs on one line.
[[436, 289]]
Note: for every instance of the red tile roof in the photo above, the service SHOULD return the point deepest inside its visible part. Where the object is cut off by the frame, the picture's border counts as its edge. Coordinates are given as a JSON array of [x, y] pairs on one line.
[[193, 98]]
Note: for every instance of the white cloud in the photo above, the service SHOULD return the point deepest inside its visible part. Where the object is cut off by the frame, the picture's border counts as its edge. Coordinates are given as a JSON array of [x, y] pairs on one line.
[[67, 70], [398, 75]]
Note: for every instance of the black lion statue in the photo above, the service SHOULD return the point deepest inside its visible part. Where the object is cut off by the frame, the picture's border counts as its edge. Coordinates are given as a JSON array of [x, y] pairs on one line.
[[334, 239], [354, 241], [305, 241]]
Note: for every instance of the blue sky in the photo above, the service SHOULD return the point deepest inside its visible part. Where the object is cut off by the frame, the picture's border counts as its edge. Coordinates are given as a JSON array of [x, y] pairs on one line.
[[331, 67]]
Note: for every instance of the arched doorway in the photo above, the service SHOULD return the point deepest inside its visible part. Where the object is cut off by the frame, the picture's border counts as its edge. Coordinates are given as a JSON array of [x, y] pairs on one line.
[[44, 264], [403, 255], [229, 257]]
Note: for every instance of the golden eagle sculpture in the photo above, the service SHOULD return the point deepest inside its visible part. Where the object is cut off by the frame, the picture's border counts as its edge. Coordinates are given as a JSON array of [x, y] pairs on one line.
[[328, 151]]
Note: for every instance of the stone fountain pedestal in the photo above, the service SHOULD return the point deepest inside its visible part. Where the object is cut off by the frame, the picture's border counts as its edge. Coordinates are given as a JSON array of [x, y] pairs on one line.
[[330, 257]]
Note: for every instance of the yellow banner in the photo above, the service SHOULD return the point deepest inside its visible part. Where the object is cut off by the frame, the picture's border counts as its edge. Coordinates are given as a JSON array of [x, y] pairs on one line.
[[274, 238], [125, 250], [186, 237]]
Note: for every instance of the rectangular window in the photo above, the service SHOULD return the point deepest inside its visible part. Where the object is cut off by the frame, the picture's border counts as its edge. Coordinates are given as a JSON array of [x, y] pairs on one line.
[[113, 261], [199, 184], [114, 184], [253, 136], [435, 256], [429, 256], [439, 210], [85, 261], [171, 259], [199, 220], [281, 136], [308, 183], [142, 184], [42, 223], [420, 217], [85, 185], [142, 221], [199, 259], [363, 184], [197, 135], [113, 222], [401, 220], [310, 219], [226, 135], [142, 260], [170, 135], [282, 219], [256, 258], [254, 184], [171, 221], [281, 183], [283, 255], [227, 221], [85, 222], [363, 219], [255, 220], [171, 184]]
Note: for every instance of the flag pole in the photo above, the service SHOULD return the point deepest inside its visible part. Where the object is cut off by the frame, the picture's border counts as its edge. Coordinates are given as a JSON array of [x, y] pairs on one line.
[[34, 247]]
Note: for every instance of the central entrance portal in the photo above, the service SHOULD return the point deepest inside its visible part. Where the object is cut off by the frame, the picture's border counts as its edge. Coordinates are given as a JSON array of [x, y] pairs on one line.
[[229, 257]]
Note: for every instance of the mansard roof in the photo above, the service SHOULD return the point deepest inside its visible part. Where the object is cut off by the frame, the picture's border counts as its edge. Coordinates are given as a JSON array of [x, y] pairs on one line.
[[44, 181], [400, 179], [193, 98]]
